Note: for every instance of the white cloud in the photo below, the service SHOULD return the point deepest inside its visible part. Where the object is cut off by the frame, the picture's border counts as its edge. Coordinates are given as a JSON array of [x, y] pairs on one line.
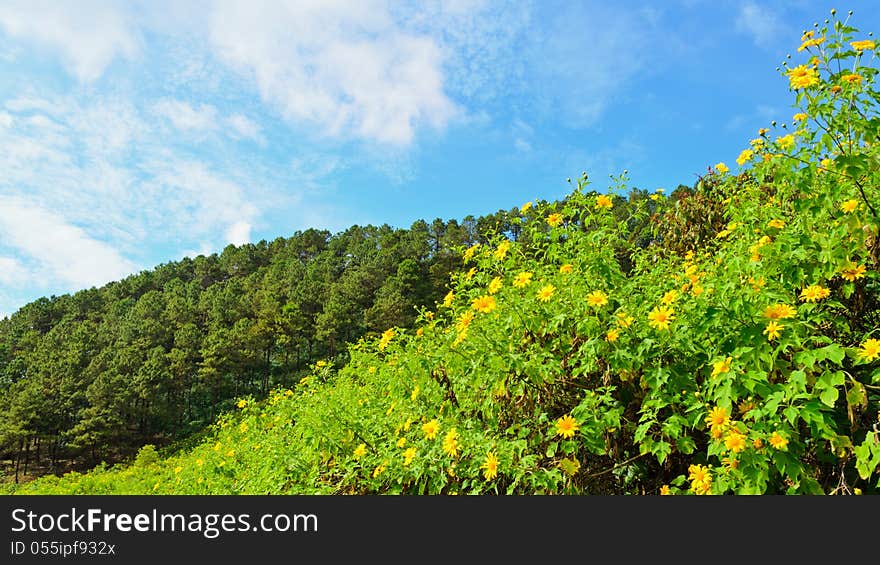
[[88, 34], [12, 272], [346, 67], [759, 22], [244, 127], [5, 119], [239, 233], [185, 117], [64, 251]]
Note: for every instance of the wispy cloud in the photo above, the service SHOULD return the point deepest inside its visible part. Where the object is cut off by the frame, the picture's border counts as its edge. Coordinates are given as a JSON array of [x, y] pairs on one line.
[[348, 69], [186, 117], [55, 247], [760, 22], [87, 34]]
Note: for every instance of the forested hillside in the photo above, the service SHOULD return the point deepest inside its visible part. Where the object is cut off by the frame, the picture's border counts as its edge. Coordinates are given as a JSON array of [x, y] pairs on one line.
[[156, 357], [721, 340]]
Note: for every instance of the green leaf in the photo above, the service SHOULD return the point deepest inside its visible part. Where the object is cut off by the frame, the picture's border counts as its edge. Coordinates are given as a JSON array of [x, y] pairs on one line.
[[829, 396]]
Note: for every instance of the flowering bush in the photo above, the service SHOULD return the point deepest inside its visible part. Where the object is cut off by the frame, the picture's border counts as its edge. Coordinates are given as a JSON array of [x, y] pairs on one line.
[[581, 360]]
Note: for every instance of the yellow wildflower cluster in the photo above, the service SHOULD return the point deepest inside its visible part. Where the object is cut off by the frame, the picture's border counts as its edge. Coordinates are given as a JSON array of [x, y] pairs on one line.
[[485, 304], [387, 336], [870, 350], [802, 76], [700, 478], [722, 366], [566, 426], [852, 272], [546, 292], [502, 249], [721, 168], [469, 252], [450, 443], [490, 466], [522, 279], [597, 299], [717, 420], [495, 285], [554, 220], [603, 201], [430, 429], [814, 292], [660, 317]]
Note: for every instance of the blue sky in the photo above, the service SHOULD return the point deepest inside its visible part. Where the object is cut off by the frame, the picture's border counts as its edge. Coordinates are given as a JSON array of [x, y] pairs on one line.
[[135, 133]]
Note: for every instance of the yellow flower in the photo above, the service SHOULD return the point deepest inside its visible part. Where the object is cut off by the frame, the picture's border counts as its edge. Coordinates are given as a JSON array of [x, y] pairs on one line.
[[401, 442], [603, 201], [811, 43], [447, 300], [757, 443], [802, 77], [525, 207], [660, 317], [718, 417], [721, 168], [501, 250], [566, 269], [624, 320], [522, 279], [495, 285], [664, 490], [852, 272], [243, 427], [785, 141], [870, 350], [485, 304], [669, 297], [554, 219], [230, 453], [490, 466], [408, 456], [852, 78], [849, 206], [464, 321], [778, 441], [701, 479], [862, 45], [735, 441], [450, 443], [177, 470], [469, 252], [420, 332], [722, 366], [431, 428], [835, 89], [814, 292], [241, 403], [799, 117], [778, 224], [612, 335], [744, 157], [566, 426], [808, 34], [773, 330], [378, 470], [597, 298], [360, 451], [387, 335], [780, 312], [470, 274], [546, 292]]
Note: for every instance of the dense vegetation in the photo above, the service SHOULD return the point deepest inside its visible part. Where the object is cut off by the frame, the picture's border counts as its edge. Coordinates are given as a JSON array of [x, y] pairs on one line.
[[157, 356], [723, 341]]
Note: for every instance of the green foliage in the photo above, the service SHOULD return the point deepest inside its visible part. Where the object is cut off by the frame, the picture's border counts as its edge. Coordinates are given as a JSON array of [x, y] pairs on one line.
[[722, 340]]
